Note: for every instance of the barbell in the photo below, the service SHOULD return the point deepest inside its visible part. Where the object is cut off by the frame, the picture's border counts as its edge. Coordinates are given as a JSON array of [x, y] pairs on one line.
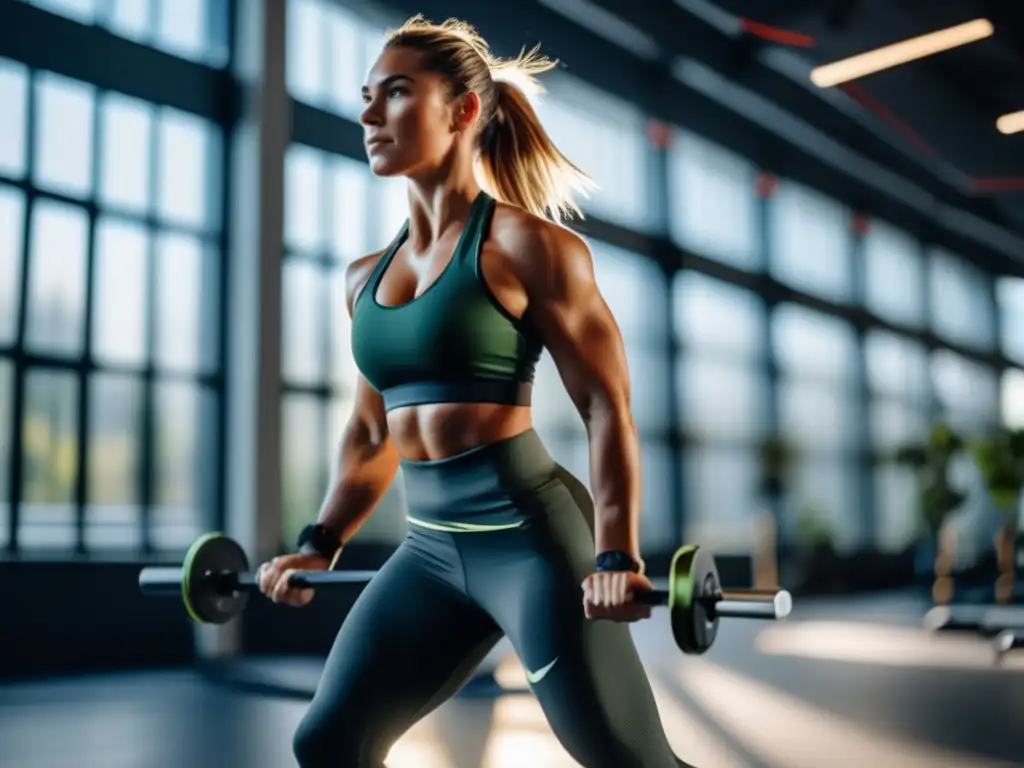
[[215, 584]]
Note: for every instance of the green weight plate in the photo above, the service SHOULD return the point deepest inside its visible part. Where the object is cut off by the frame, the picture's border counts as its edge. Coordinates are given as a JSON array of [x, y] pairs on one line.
[[209, 556], [692, 577]]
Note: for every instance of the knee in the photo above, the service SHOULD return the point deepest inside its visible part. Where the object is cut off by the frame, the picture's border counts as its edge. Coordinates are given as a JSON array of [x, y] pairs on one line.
[[318, 743]]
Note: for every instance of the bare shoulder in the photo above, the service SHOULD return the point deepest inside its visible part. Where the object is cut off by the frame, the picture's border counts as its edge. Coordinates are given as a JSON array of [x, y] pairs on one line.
[[537, 249], [356, 275]]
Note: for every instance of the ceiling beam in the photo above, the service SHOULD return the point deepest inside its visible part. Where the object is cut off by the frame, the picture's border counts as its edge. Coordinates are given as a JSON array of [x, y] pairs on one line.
[[684, 34]]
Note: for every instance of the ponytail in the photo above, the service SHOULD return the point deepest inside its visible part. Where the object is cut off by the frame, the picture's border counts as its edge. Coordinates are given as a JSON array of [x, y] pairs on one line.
[[520, 163]]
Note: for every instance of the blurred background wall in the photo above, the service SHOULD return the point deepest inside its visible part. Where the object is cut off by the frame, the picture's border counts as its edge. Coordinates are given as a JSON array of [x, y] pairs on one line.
[[182, 184]]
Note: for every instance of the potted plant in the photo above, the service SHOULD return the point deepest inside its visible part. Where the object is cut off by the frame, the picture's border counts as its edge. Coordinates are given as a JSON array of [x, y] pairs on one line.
[[930, 461], [999, 455], [815, 550]]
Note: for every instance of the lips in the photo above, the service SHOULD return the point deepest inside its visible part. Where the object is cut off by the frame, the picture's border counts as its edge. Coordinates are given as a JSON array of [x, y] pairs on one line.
[[377, 140]]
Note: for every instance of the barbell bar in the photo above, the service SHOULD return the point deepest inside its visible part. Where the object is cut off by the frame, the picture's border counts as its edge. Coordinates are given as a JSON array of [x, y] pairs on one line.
[[215, 583]]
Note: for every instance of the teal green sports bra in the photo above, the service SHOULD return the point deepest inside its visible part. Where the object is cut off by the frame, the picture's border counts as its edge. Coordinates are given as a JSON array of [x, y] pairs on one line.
[[454, 343]]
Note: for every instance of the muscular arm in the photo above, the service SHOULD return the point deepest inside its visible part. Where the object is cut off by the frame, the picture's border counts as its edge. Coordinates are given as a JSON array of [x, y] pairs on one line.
[[366, 460], [584, 341]]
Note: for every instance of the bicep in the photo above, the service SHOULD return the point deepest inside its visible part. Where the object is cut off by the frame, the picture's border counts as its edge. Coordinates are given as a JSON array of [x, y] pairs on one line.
[[581, 334]]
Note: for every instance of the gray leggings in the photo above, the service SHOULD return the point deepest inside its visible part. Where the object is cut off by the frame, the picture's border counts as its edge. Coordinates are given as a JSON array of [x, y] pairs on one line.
[[500, 540]]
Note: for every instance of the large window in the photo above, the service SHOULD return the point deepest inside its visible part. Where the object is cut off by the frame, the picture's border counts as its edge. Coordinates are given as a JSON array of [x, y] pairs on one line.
[[962, 301], [1012, 398], [330, 50], [810, 242], [118, 250], [898, 381], [818, 414], [968, 392], [722, 390], [606, 138], [634, 289], [335, 212], [894, 279], [191, 29], [712, 201], [1010, 298]]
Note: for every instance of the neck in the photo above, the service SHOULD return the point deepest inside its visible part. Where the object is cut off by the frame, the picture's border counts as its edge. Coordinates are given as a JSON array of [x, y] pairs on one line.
[[439, 199]]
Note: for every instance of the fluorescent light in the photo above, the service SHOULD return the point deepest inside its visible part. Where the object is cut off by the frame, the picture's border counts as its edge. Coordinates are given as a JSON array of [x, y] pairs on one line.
[[900, 53], [1011, 123]]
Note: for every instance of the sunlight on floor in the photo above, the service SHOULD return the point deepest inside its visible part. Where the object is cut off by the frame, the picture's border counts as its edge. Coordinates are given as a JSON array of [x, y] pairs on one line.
[[784, 731], [890, 646]]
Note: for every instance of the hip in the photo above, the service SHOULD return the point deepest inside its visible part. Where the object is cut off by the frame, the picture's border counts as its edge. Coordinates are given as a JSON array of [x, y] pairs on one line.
[[499, 486]]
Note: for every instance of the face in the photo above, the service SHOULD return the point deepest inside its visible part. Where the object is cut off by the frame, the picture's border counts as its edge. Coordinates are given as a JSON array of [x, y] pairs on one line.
[[410, 125]]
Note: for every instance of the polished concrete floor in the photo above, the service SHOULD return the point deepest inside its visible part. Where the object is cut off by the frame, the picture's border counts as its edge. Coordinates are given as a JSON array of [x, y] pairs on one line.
[[840, 684]]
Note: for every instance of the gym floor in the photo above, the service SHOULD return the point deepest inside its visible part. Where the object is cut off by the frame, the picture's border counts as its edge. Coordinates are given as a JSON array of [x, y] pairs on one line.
[[841, 684]]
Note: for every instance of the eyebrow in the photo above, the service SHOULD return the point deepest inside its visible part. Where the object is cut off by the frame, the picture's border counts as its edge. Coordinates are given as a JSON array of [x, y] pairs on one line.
[[389, 80]]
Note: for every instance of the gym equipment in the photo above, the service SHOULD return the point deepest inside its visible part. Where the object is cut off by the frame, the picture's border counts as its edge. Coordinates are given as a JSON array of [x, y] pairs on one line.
[[696, 600], [988, 621], [214, 582]]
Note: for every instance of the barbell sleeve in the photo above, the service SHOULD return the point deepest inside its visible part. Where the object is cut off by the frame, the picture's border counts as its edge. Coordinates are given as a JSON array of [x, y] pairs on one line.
[[160, 581], [753, 603], [732, 603]]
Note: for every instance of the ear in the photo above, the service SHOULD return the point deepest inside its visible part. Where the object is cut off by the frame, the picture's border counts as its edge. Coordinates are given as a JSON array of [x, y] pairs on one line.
[[467, 110]]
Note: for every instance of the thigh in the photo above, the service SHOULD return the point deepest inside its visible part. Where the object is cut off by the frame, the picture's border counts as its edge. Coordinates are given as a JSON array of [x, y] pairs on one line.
[[410, 641], [587, 675]]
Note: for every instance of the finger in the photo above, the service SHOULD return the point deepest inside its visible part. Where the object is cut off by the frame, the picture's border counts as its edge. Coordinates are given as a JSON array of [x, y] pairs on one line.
[[590, 590], [280, 590], [261, 573], [630, 613], [588, 598], [293, 596], [267, 577], [622, 594]]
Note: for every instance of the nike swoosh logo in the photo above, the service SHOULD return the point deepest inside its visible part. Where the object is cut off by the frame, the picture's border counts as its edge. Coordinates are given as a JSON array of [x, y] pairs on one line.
[[535, 677]]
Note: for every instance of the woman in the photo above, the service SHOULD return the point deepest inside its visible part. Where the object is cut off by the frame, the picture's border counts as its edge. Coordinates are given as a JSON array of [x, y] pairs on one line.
[[447, 325]]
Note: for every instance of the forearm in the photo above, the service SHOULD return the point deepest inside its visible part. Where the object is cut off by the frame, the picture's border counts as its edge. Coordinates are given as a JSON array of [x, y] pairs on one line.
[[615, 478], [364, 468]]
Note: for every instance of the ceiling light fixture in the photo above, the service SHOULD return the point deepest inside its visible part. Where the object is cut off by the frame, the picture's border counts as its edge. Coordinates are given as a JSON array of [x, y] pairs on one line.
[[1011, 123], [900, 53]]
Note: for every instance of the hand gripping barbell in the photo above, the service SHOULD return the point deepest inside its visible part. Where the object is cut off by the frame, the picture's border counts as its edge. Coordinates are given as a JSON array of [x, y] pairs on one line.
[[215, 583]]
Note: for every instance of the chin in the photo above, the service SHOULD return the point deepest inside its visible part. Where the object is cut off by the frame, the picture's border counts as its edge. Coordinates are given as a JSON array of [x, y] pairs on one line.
[[385, 166]]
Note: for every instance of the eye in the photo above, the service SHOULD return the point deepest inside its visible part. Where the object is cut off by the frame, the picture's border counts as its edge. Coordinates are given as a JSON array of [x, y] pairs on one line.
[[396, 91]]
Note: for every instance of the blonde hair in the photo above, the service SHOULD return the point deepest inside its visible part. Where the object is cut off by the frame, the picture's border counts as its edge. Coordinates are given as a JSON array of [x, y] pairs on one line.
[[518, 161]]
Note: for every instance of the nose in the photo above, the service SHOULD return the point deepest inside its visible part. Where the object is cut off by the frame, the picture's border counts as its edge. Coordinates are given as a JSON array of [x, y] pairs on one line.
[[372, 114]]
